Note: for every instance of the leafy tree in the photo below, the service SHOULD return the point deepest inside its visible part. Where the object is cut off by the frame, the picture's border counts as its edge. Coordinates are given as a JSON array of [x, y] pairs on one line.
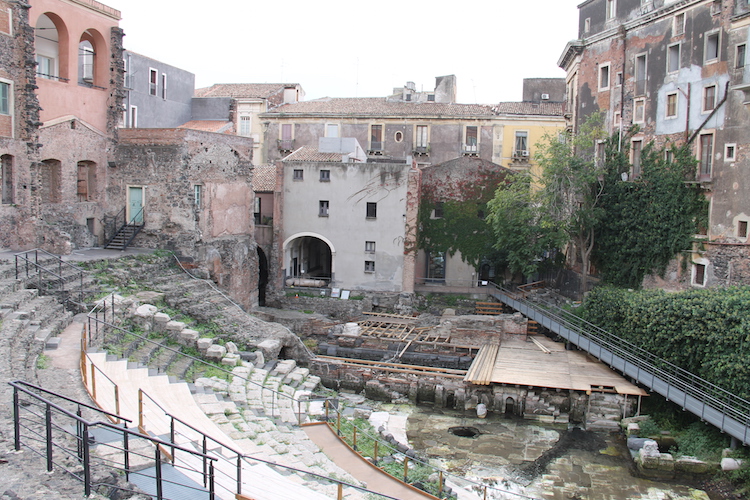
[[649, 220], [522, 227], [572, 187]]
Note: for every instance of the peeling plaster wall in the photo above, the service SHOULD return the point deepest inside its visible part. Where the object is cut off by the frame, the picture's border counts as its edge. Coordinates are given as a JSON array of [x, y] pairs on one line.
[[650, 30]]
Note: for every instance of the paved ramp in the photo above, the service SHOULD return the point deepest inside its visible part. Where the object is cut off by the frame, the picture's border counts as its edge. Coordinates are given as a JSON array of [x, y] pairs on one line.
[[352, 462]]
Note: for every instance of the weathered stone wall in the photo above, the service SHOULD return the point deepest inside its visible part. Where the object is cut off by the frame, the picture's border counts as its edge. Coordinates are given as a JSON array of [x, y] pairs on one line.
[[216, 230]]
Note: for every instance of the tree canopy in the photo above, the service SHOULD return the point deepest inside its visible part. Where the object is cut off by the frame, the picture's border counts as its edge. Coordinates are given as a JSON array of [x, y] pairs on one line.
[[581, 203]]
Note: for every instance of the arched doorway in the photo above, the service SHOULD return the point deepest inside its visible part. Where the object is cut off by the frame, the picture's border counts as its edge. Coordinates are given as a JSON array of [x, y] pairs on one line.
[[510, 406], [262, 276], [309, 257]]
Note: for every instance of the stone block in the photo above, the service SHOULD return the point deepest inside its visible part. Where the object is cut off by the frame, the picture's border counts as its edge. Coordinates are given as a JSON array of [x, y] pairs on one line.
[[188, 337], [204, 343], [634, 429], [175, 326], [216, 352], [149, 296], [232, 348], [270, 348], [691, 465], [229, 359], [160, 321], [52, 343], [146, 311]]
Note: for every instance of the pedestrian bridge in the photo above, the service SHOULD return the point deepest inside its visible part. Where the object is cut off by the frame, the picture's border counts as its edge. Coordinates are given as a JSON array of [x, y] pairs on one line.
[[722, 409]]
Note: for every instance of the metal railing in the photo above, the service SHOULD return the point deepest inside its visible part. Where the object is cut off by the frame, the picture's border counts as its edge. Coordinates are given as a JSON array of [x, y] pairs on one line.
[[119, 221], [63, 437], [717, 406], [230, 461], [102, 330], [359, 435], [50, 273]]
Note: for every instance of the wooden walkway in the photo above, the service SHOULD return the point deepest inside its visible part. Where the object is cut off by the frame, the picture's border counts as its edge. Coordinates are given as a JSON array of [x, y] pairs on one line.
[[540, 362], [352, 462]]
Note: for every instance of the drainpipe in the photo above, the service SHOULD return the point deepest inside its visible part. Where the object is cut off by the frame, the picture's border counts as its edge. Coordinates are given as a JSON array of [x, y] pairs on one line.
[[716, 108]]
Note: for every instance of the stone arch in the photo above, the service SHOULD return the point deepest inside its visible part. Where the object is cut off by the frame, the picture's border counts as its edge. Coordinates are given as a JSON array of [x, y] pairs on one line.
[[51, 42], [309, 255], [510, 406]]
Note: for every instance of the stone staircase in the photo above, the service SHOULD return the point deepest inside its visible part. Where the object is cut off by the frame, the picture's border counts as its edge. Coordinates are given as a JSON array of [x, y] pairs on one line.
[[28, 323]]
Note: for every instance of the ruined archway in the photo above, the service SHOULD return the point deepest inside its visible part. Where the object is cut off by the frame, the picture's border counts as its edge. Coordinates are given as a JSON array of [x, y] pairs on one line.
[[309, 260], [510, 406], [262, 276]]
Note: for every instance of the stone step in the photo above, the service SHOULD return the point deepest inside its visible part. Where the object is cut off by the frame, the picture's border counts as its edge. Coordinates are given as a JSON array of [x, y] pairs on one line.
[[147, 350]]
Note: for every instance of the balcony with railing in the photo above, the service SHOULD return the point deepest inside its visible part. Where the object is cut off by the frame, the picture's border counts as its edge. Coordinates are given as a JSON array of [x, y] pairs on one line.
[[376, 148], [285, 145], [421, 149]]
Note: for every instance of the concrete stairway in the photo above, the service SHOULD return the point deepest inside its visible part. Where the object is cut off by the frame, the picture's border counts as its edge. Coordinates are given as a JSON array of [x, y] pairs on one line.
[[246, 429]]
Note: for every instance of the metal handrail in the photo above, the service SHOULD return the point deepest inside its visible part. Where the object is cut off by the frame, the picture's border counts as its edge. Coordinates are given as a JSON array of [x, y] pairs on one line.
[[242, 456], [707, 393], [28, 261], [82, 435], [112, 227], [123, 331]]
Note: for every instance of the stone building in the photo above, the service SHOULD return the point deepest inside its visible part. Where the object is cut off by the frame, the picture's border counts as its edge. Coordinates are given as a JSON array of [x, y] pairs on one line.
[[427, 126], [678, 69], [60, 95], [197, 195]]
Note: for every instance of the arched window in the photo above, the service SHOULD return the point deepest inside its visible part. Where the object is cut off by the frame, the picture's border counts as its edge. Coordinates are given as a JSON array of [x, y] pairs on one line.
[[86, 62], [50, 41], [92, 60], [6, 178], [49, 181]]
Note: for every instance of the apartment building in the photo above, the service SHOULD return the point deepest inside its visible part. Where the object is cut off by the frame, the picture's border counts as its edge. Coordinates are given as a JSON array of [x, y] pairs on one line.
[[677, 69]]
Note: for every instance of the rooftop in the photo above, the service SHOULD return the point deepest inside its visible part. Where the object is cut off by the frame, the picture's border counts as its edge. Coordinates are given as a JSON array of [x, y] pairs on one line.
[[239, 90], [381, 106]]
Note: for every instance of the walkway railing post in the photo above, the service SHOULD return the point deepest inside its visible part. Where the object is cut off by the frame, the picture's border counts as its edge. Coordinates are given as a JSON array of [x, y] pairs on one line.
[[117, 403], [440, 484], [93, 381], [354, 438], [375, 458], [126, 451], [340, 492], [140, 410], [239, 474], [406, 469], [48, 425], [205, 462], [338, 422], [86, 461], [157, 461], [211, 487], [171, 434]]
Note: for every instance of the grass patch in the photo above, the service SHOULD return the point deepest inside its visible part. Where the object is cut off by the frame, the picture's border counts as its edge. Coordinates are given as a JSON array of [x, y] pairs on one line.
[[42, 362]]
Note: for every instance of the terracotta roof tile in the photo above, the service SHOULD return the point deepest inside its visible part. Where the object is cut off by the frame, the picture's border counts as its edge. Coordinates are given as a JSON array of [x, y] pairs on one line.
[[264, 178], [238, 90], [529, 108], [308, 153], [380, 106], [218, 126]]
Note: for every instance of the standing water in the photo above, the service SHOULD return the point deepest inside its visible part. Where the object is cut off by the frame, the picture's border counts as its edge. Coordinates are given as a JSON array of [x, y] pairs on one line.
[[536, 460]]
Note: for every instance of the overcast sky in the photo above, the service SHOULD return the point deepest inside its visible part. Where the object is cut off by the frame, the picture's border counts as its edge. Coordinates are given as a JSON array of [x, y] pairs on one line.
[[341, 48]]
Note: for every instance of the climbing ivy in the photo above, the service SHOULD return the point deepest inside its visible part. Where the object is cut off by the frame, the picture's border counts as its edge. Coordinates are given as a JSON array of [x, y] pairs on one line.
[[460, 222], [648, 220], [705, 331]]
